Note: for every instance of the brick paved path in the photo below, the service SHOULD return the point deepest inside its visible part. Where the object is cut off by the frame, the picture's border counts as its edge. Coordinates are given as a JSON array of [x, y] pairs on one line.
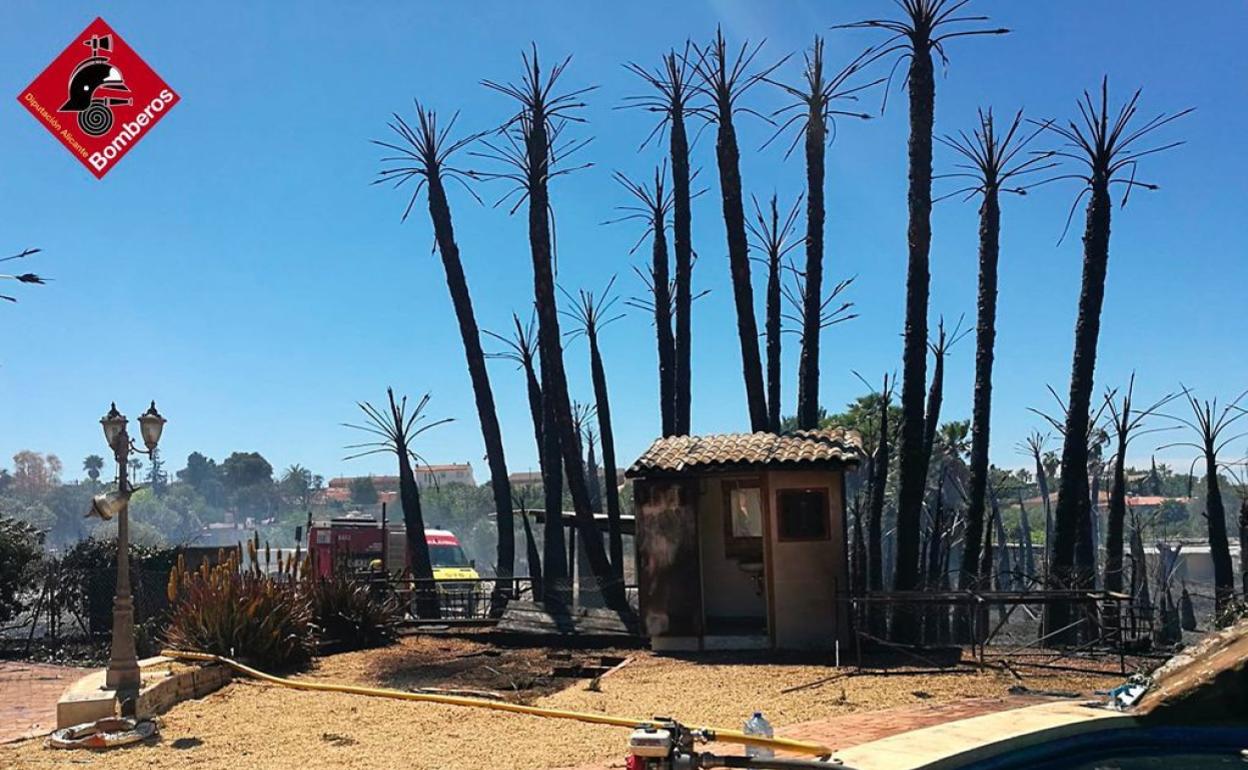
[[863, 727], [28, 694]]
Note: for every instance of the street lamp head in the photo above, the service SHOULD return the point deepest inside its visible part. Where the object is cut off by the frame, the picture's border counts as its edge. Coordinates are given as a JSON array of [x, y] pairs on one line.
[[151, 424], [114, 424]]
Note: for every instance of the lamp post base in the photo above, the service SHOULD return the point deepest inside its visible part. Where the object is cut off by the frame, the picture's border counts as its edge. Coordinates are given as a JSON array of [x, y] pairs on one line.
[[123, 663]]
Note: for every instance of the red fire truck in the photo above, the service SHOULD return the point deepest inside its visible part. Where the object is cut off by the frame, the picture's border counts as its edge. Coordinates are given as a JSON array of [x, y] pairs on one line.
[[357, 545]]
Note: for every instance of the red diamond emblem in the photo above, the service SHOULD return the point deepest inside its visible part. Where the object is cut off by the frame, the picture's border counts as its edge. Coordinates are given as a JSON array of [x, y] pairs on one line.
[[98, 98]]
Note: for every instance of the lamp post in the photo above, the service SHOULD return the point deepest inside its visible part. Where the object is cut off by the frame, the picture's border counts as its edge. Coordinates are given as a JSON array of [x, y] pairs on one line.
[[123, 664]]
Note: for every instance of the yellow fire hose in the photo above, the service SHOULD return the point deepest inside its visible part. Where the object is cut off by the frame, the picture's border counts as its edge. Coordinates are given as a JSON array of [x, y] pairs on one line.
[[725, 736]]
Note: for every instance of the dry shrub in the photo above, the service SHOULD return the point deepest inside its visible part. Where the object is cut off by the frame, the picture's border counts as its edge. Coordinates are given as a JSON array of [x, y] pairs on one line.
[[245, 614]]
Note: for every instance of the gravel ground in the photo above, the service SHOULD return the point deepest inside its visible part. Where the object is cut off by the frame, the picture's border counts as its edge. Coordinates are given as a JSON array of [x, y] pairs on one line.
[[251, 725]]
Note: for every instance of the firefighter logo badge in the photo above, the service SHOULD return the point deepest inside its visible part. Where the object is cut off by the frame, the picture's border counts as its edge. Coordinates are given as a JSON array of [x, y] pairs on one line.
[[100, 101]]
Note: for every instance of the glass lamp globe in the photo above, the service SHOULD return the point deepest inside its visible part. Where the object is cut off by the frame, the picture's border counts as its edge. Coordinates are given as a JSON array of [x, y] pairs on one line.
[[114, 424], [151, 424]]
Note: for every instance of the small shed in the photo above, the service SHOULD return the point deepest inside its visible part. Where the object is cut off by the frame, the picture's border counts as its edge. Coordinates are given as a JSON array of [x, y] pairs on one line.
[[741, 540]]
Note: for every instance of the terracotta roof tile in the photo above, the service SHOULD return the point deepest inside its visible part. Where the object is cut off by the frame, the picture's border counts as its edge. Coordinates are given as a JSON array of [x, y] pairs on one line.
[[677, 454]]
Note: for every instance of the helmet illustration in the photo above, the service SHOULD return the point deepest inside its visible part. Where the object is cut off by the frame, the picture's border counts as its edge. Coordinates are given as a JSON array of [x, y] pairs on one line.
[[89, 76], [89, 85]]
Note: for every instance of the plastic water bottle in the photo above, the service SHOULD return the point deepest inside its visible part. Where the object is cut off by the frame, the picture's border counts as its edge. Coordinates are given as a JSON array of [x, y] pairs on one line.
[[758, 725]]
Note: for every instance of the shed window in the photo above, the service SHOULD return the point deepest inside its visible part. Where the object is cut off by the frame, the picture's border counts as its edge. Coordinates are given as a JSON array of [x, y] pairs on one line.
[[803, 514], [743, 520]]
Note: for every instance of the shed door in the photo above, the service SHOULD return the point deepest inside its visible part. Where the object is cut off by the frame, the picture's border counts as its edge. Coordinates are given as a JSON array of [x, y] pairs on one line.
[[807, 559]]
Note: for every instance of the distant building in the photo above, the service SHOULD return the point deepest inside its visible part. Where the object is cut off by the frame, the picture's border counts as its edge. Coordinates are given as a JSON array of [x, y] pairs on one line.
[[338, 490]]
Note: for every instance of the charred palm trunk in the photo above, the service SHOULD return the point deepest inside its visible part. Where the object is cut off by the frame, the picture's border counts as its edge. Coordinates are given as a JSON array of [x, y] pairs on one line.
[[1042, 482], [934, 573], [729, 162], [682, 234], [1024, 534], [591, 471], [1073, 504], [557, 583], [912, 463], [808, 363], [534, 388], [773, 342], [607, 432], [534, 559], [1219, 547], [858, 574], [414, 527], [562, 436], [663, 318], [461, 299], [1139, 572], [875, 522], [1117, 518], [981, 410]]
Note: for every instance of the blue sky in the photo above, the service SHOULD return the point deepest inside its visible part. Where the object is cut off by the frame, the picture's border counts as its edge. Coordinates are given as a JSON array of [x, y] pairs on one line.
[[238, 267]]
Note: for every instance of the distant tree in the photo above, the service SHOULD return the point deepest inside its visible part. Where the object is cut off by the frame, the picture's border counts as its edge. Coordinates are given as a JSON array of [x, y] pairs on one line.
[[297, 486], [35, 474], [248, 483], [363, 491], [93, 464], [157, 479], [199, 470]]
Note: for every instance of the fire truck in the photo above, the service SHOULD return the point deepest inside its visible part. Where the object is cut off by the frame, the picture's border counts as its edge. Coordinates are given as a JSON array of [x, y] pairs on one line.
[[356, 545]]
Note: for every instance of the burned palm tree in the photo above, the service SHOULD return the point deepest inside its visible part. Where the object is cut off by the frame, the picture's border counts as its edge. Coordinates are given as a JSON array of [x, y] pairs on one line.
[[652, 206], [592, 314], [1127, 423], [936, 391], [924, 28], [424, 155], [724, 77], [1034, 447], [814, 111], [1211, 422], [20, 277], [993, 165], [1106, 150], [773, 237], [394, 429], [673, 85], [1095, 439], [522, 348], [529, 145], [875, 506]]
